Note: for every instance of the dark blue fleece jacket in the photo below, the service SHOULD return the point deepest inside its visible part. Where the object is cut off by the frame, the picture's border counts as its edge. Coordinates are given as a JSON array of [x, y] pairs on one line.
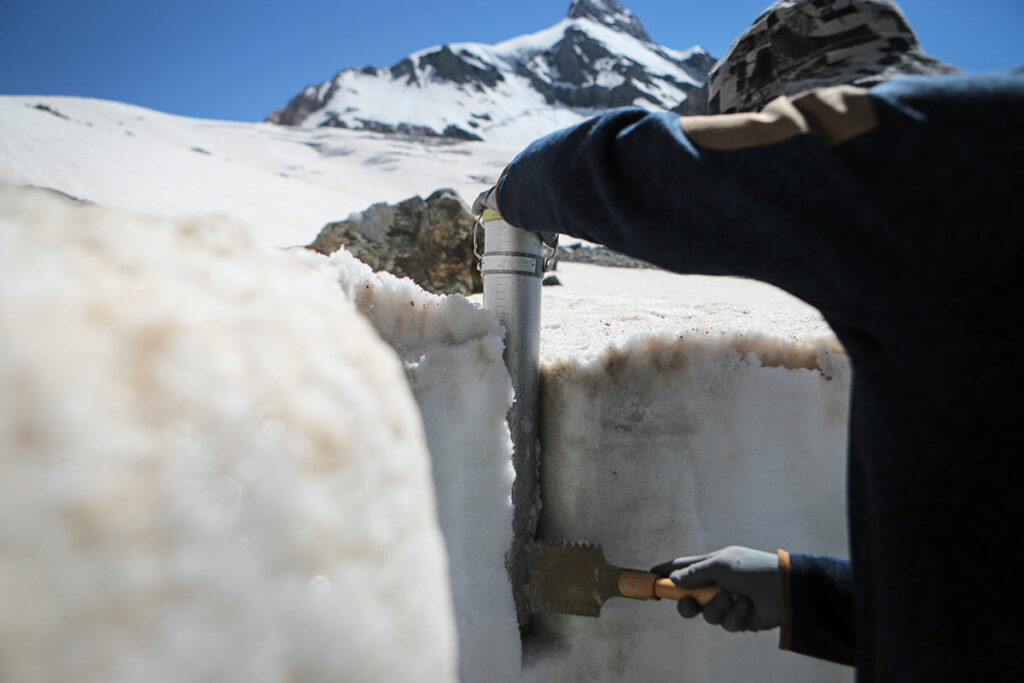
[[908, 240]]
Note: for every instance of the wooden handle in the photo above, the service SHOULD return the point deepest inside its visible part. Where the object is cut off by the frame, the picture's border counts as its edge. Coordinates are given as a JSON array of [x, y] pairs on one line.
[[647, 586], [664, 588]]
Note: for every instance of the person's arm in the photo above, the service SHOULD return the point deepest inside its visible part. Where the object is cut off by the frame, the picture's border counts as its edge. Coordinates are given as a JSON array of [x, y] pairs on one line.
[[765, 195], [810, 598], [841, 196]]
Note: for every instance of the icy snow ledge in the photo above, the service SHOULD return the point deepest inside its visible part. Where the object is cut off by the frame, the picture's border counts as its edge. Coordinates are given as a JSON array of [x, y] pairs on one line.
[[452, 351], [210, 465]]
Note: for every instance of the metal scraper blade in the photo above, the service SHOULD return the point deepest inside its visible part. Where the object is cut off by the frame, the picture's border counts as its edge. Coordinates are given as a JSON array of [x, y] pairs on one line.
[[570, 579]]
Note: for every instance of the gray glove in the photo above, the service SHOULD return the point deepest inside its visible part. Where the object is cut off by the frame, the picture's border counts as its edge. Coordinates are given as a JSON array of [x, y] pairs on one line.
[[752, 576], [486, 200]]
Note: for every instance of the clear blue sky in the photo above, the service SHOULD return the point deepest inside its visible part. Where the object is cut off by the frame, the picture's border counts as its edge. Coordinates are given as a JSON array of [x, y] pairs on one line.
[[241, 59]]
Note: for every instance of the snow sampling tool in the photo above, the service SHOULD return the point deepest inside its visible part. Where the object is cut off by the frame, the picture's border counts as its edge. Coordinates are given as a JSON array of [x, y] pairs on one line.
[[512, 266], [576, 579], [546, 577]]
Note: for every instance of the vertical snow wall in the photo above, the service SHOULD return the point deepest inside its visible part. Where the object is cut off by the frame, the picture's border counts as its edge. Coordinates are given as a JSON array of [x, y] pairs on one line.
[[668, 446], [661, 446], [452, 351]]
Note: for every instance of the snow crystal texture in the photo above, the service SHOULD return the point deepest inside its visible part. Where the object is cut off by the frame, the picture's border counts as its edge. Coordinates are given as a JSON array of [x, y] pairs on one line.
[[211, 467], [452, 351]]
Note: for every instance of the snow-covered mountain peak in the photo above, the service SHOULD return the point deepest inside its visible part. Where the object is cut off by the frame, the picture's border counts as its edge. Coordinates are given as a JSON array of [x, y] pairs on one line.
[[597, 58], [611, 14]]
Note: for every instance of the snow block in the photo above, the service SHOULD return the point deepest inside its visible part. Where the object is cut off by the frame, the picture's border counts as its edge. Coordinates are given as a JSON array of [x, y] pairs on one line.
[[211, 466], [452, 351], [657, 446], [676, 444]]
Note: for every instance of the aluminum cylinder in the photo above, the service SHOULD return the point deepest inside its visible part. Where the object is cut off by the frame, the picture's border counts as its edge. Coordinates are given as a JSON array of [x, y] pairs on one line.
[[512, 266]]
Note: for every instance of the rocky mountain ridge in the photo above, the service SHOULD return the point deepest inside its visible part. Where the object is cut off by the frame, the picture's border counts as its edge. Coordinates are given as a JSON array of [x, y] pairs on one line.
[[598, 57]]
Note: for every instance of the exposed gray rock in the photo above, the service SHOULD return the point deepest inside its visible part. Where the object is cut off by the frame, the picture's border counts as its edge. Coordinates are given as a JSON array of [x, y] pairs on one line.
[[799, 45], [302, 105], [696, 102], [611, 14], [451, 132], [600, 256], [51, 110], [447, 66], [566, 74], [429, 241]]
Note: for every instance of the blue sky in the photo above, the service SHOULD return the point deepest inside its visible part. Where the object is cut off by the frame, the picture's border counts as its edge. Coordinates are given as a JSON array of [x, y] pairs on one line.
[[241, 59]]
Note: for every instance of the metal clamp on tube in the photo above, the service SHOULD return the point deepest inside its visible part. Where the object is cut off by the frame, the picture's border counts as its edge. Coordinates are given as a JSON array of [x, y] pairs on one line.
[[512, 266]]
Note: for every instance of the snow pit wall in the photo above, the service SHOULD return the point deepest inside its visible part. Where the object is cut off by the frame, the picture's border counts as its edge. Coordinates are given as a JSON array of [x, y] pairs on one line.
[[452, 352], [676, 445], [662, 446], [211, 466]]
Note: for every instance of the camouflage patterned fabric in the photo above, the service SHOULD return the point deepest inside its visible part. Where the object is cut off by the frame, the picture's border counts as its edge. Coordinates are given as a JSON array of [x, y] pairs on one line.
[[799, 45]]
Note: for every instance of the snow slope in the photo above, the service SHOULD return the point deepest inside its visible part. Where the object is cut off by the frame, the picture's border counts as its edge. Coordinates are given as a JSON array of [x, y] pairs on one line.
[[286, 183]]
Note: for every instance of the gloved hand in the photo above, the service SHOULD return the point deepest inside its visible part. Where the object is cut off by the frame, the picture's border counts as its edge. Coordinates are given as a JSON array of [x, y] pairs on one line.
[[487, 200], [750, 575]]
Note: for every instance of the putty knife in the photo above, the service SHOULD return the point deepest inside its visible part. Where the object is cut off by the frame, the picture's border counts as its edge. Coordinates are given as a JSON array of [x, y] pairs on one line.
[[576, 579]]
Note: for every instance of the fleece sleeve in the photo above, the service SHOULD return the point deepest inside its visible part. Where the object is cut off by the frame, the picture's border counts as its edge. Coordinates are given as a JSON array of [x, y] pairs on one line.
[[789, 213], [818, 617], [835, 219]]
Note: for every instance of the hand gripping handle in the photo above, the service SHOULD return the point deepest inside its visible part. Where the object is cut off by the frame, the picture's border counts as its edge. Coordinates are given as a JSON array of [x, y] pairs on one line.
[[647, 586]]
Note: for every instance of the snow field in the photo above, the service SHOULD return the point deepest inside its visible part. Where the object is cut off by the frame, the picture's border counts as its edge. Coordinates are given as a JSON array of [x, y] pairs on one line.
[[284, 183], [211, 466]]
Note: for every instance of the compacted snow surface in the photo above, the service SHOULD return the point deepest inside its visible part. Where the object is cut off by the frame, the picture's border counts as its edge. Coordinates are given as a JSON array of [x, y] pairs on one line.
[[227, 461]]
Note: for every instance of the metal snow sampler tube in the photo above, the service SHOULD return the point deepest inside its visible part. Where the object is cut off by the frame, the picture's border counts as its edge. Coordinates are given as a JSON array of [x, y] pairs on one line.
[[512, 266]]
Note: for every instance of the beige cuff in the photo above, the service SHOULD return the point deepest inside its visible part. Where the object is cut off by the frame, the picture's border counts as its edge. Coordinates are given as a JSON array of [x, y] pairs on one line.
[[833, 115]]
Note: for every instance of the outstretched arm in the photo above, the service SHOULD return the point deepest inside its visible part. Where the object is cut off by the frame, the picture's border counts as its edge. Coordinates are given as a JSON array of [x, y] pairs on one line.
[[765, 195]]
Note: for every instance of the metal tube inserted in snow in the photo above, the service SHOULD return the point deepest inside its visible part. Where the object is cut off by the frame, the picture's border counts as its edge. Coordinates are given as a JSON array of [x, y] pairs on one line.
[[512, 266]]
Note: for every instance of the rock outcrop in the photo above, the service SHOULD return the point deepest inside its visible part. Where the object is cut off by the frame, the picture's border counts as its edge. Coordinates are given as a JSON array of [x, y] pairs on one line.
[[611, 14], [599, 256], [429, 241]]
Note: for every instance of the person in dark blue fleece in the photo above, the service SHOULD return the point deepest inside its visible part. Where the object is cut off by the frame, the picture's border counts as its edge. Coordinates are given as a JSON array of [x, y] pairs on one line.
[[895, 211]]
